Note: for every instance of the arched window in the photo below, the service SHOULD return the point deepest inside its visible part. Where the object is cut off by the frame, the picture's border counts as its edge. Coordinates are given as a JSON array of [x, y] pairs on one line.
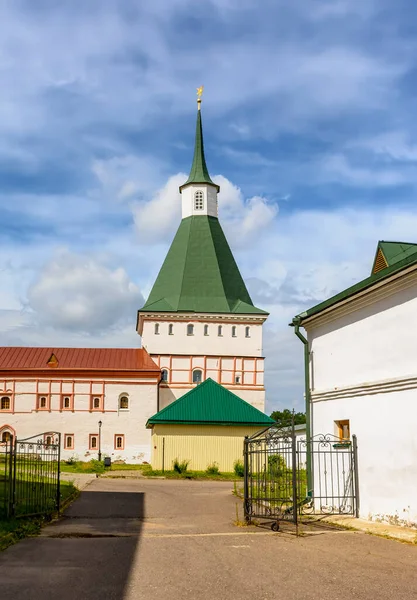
[[42, 402], [170, 329], [48, 440], [93, 441], [67, 402], [198, 200], [124, 402], [5, 403], [96, 403], [197, 376], [206, 330], [220, 330], [6, 436], [164, 375], [156, 328], [190, 329], [247, 331], [234, 331]]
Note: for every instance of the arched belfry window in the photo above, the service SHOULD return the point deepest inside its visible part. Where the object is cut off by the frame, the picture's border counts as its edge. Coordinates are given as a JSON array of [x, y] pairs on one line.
[[164, 375], [197, 376], [198, 200]]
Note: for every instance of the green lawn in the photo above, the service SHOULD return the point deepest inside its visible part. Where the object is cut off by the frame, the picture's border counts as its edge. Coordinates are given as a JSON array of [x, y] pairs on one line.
[[95, 466]]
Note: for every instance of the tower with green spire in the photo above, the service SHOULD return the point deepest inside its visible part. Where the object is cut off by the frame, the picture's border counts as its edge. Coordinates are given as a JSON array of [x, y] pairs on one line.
[[199, 320]]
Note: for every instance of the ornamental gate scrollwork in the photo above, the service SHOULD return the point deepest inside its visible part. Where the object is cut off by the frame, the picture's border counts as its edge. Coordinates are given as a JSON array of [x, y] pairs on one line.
[[286, 477]]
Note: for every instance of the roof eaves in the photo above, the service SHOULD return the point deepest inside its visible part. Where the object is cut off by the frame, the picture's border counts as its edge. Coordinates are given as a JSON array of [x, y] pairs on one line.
[[356, 288]]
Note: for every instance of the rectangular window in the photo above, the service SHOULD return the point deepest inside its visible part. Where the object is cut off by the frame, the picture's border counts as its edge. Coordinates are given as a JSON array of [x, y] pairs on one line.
[[93, 441], [206, 330], [343, 430], [237, 379], [96, 402], [190, 329], [43, 402], [68, 441], [219, 330], [119, 441], [67, 402]]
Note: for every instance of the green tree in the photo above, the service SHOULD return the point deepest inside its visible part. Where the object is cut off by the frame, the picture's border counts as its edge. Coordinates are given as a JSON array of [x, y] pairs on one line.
[[285, 416]]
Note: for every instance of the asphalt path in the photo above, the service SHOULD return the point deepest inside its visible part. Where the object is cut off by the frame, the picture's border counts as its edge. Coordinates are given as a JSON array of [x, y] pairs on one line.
[[170, 539]]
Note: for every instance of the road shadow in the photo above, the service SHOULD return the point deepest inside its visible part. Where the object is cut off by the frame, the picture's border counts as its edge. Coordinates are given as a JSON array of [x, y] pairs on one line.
[[86, 554]]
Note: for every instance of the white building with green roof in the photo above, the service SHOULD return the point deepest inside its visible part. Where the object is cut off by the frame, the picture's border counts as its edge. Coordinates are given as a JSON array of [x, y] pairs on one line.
[[199, 320], [361, 378]]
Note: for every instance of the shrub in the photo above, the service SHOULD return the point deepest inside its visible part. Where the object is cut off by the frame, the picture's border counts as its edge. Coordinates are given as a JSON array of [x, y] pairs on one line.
[[239, 468], [277, 464], [213, 469], [95, 466], [180, 467], [72, 460]]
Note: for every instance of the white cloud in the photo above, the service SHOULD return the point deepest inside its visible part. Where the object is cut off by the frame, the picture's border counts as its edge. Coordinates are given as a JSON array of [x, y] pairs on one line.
[[76, 293], [158, 218]]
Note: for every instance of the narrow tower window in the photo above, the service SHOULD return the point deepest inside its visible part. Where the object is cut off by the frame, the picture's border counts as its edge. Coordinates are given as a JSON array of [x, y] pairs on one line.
[[124, 403], [170, 329], [206, 330], [156, 328], [164, 375], [197, 376], [198, 200], [220, 330], [247, 332], [190, 329], [234, 331]]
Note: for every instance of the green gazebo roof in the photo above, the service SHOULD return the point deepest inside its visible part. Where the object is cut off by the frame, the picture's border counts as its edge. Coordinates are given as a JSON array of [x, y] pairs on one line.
[[210, 404], [199, 273]]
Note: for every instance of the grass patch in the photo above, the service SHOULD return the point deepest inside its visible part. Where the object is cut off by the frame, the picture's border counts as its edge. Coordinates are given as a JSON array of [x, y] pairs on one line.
[[95, 466], [149, 472], [13, 530]]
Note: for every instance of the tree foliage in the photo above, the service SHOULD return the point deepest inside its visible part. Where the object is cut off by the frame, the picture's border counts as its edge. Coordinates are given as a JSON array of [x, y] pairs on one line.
[[285, 417]]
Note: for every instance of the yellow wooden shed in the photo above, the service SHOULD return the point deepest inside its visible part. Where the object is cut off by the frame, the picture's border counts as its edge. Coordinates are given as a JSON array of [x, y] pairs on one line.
[[205, 426]]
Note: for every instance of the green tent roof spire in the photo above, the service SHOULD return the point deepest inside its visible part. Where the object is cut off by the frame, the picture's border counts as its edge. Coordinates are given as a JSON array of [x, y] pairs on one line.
[[199, 172]]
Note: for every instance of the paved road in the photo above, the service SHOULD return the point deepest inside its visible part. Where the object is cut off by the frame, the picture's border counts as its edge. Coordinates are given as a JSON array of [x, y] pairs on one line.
[[154, 540]]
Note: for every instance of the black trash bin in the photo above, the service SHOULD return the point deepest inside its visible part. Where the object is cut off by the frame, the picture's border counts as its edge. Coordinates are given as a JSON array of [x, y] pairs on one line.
[[107, 461]]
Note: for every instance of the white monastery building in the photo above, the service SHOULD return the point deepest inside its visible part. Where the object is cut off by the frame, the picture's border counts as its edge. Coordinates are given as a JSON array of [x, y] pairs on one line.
[[362, 379], [199, 322]]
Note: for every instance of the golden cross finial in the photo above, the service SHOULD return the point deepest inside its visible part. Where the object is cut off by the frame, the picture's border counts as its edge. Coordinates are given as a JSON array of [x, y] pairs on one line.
[[199, 94]]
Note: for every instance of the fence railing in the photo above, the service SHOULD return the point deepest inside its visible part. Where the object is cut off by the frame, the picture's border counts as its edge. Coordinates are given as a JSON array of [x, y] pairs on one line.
[[30, 475]]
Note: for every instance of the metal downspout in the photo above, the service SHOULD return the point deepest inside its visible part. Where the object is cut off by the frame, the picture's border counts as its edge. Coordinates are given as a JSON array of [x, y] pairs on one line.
[[307, 395]]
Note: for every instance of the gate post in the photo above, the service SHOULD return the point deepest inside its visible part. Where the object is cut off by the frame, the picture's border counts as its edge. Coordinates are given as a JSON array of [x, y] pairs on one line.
[[356, 474], [58, 487], [294, 474], [245, 479]]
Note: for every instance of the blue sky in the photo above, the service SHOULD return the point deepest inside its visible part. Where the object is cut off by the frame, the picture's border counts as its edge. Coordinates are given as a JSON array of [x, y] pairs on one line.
[[310, 129]]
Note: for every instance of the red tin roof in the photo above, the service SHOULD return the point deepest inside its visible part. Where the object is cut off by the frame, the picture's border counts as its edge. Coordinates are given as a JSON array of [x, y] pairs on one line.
[[119, 359]]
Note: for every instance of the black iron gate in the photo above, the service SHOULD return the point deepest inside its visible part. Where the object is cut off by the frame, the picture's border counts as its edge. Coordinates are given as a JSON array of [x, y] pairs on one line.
[[286, 478], [30, 475]]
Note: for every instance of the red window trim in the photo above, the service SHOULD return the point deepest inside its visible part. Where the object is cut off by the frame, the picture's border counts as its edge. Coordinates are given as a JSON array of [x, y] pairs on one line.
[[11, 407], [71, 406], [101, 408], [116, 435], [48, 402], [65, 441], [91, 435]]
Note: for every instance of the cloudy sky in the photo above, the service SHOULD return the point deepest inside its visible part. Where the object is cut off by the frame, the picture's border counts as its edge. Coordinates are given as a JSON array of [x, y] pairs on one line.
[[310, 129]]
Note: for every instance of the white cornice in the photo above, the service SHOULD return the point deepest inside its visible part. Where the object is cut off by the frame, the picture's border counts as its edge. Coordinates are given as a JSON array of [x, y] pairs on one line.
[[382, 386]]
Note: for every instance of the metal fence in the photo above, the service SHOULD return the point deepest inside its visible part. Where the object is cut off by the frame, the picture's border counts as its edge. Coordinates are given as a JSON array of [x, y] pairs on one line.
[[30, 475], [286, 479]]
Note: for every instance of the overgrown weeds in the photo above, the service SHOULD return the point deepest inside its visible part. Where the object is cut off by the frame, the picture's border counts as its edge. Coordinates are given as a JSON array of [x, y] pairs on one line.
[[213, 469], [180, 467]]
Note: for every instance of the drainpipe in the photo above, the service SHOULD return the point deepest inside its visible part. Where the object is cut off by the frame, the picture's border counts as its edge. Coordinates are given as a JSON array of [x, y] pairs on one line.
[[296, 324]]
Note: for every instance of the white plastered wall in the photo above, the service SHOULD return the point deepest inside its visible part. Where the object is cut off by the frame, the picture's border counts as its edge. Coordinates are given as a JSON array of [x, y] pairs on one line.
[[364, 369], [130, 423]]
